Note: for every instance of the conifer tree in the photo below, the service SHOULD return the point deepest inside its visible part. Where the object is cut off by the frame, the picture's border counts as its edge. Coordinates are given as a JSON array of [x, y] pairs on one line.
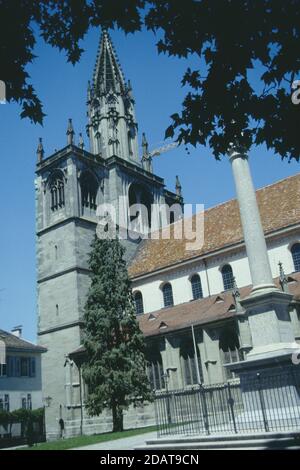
[[115, 369]]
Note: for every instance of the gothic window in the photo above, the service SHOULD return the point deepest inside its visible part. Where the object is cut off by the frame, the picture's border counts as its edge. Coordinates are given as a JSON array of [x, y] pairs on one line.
[[196, 287], [296, 256], [155, 370], [168, 295], [57, 191], [230, 350], [89, 189], [138, 300], [189, 363], [228, 279], [138, 195]]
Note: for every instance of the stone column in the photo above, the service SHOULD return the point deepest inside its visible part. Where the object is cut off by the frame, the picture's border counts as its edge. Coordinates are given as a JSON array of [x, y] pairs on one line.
[[252, 227], [267, 376], [267, 308]]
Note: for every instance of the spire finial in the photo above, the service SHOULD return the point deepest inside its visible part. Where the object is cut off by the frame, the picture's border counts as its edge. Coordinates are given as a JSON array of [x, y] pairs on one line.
[[235, 291], [108, 73], [237, 296], [81, 141], [178, 187], [40, 151], [145, 145], [70, 132], [282, 278]]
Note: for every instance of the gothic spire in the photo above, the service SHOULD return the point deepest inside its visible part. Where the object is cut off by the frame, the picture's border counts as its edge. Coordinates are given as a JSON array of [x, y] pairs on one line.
[[81, 141], [40, 151], [108, 74], [70, 133], [178, 187]]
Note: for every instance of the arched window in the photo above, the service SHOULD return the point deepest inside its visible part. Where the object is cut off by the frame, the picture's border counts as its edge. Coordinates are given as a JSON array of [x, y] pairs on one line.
[[230, 350], [189, 363], [138, 300], [168, 295], [155, 369], [89, 189], [296, 256], [57, 191], [138, 195], [228, 279], [196, 287]]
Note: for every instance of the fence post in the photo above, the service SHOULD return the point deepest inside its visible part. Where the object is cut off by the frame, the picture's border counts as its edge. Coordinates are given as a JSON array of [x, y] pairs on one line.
[[231, 403], [262, 403], [204, 407]]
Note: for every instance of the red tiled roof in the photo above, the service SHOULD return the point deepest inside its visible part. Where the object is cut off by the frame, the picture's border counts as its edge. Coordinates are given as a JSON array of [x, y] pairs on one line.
[[279, 206], [200, 311]]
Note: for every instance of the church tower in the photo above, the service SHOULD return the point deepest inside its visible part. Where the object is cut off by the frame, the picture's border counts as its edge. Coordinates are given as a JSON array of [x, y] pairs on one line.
[[70, 185], [112, 127]]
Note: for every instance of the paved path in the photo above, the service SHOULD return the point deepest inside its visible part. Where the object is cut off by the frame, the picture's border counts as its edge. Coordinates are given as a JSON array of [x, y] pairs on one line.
[[125, 443]]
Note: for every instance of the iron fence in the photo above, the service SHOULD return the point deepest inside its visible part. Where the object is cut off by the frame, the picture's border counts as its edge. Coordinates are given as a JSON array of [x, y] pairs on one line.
[[258, 403]]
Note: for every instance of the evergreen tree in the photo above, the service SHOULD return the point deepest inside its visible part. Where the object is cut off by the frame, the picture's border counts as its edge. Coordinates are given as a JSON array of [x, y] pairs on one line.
[[115, 369]]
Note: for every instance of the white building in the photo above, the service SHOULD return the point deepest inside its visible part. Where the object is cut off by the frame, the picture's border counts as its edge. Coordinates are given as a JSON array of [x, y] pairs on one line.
[[20, 375]]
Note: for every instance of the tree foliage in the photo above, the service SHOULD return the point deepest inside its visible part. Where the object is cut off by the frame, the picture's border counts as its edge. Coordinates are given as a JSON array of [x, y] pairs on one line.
[[115, 368], [247, 50]]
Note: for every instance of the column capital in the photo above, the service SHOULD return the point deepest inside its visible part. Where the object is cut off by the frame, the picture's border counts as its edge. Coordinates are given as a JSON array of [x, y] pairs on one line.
[[237, 150]]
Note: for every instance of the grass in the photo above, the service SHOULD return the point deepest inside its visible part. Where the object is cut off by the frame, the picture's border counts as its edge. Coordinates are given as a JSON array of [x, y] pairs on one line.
[[80, 441]]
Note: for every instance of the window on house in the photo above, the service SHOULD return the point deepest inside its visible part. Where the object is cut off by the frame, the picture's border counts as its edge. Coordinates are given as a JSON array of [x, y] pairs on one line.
[[3, 370], [230, 350], [295, 250], [139, 305], [196, 287], [26, 402], [21, 366], [24, 367], [168, 295], [155, 370], [228, 279], [189, 363], [4, 402], [57, 191], [89, 189]]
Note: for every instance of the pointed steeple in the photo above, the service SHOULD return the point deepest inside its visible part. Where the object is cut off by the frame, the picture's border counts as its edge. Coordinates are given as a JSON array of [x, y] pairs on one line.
[[178, 187], [112, 126], [81, 141], [145, 145], [40, 151], [146, 158], [108, 74], [70, 133]]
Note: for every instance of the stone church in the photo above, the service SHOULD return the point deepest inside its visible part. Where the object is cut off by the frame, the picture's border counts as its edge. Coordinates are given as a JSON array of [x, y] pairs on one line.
[[186, 300]]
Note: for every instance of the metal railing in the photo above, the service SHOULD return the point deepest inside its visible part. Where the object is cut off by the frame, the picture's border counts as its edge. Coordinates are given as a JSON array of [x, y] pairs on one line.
[[260, 403]]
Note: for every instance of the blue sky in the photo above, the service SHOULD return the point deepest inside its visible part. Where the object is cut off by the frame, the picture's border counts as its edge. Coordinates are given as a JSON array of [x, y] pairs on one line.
[[62, 89]]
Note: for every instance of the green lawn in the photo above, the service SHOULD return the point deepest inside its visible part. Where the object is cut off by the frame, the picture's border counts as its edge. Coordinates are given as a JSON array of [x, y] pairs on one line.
[[81, 441]]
